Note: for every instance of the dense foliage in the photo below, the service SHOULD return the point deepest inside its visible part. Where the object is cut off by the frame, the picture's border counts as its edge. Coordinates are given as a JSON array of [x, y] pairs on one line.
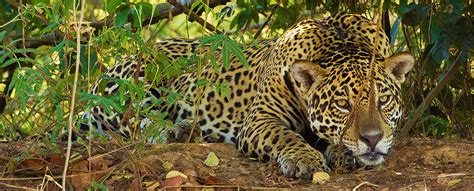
[[38, 54]]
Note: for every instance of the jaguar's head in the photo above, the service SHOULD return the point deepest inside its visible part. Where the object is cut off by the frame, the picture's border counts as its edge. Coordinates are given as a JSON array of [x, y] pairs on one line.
[[346, 100]]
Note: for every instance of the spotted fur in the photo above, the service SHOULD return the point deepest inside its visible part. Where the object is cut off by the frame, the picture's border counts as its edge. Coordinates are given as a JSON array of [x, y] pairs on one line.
[[298, 96]]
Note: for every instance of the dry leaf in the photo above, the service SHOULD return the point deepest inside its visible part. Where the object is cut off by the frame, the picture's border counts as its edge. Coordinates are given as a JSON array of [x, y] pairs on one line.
[[238, 181], [320, 178], [174, 182], [190, 172], [152, 185], [453, 182], [167, 165], [211, 160], [174, 173], [57, 159], [33, 164], [80, 178], [212, 180], [134, 185]]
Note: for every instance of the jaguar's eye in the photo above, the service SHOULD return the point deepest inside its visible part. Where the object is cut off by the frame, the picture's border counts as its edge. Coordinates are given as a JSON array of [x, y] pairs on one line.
[[384, 100], [343, 105]]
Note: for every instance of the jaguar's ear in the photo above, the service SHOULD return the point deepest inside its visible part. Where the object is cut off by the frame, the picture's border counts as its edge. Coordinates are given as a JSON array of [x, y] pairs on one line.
[[305, 73], [399, 65]]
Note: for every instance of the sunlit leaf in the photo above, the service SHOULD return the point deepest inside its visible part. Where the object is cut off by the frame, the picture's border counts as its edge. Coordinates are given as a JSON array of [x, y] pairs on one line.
[[211, 160]]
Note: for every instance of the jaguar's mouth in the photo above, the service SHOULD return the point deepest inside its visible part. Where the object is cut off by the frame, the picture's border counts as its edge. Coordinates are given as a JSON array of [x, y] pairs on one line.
[[372, 158]]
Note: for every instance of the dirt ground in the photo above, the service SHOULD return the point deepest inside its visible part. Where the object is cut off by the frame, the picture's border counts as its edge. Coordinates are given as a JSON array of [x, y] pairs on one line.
[[413, 164]]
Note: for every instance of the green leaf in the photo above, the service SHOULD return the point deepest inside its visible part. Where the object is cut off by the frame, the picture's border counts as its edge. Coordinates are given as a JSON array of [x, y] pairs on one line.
[[403, 7], [210, 39], [225, 56], [238, 53], [99, 186], [59, 118], [214, 64], [49, 28], [10, 53], [122, 17], [35, 2], [2, 35], [112, 4], [57, 47], [201, 82], [68, 4], [88, 62], [435, 31], [136, 19], [145, 9], [197, 4], [13, 60], [216, 45], [107, 103], [394, 31]]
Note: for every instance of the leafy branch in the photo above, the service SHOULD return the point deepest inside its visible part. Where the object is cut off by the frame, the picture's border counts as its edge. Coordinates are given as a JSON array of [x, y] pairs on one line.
[[194, 17]]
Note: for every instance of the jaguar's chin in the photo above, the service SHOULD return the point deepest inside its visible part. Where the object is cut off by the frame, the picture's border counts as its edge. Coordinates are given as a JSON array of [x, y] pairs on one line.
[[372, 158]]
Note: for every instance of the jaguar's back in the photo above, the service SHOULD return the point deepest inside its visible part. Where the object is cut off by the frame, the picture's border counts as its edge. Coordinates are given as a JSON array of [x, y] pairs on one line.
[[304, 88]]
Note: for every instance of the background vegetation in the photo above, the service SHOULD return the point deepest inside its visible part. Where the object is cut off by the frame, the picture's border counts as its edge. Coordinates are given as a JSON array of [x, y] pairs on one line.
[[38, 54]]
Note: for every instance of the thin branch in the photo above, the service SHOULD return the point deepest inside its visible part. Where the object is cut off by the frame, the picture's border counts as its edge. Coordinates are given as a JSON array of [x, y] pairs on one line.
[[163, 11], [365, 182], [194, 17], [74, 88], [427, 101], [274, 8], [16, 187]]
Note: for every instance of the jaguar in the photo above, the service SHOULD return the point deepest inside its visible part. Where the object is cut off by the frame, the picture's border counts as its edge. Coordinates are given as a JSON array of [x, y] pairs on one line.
[[324, 86]]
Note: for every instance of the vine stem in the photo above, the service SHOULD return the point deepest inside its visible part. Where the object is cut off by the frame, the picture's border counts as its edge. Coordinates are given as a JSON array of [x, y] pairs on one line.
[[74, 88]]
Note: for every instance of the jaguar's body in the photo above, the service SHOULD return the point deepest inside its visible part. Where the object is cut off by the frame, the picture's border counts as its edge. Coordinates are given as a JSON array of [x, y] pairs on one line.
[[309, 86]]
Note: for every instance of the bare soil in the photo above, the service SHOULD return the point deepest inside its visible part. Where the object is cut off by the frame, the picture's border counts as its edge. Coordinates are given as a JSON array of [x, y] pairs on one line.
[[412, 164]]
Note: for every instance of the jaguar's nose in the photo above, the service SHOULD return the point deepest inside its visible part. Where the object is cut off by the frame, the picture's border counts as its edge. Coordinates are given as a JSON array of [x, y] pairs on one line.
[[371, 140]]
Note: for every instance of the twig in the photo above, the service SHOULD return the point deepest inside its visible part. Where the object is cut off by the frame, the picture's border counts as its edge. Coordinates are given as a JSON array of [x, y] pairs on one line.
[[451, 175], [365, 183], [112, 151], [194, 17], [47, 179], [16, 187], [233, 187], [74, 88], [422, 107], [274, 8], [60, 177]]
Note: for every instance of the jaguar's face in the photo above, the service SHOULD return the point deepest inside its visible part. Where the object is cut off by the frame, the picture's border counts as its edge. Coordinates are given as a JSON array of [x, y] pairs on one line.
[[342, 102]]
